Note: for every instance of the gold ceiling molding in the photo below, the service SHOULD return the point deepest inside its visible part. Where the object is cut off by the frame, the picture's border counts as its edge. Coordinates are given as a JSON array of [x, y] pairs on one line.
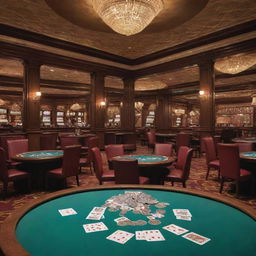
[[147, 84], [82, 13]]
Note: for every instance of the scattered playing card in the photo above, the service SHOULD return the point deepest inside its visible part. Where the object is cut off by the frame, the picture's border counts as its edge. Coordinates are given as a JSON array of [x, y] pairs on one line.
[[157, 215], [120, 236], [140, 235], [153, 235], [94, 227], [96, 213], [151, 217], [183, 212], [181, 217], [67, 212], [120, 219], [196, 238], [175, 229]]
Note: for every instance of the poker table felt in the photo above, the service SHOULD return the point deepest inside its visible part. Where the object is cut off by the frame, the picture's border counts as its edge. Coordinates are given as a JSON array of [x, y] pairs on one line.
[[41, 230]]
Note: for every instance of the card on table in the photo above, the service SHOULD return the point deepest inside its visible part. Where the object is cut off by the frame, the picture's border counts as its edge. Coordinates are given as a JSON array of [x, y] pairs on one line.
[[96, 213], [153, 235], [140, 235], [94, 227], [175, 229], [196, 238], [67, 212], [183, 212], [120, 219], [181, 217], [120, 236]]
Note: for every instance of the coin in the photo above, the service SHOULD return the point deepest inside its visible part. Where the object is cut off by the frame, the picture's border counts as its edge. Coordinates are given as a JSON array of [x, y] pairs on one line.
[[161, 211], [154, 222]]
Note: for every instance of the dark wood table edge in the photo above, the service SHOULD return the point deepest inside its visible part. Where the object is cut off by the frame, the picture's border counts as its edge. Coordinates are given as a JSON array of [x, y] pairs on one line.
[[10, 246], [248, 157], [38, 159]]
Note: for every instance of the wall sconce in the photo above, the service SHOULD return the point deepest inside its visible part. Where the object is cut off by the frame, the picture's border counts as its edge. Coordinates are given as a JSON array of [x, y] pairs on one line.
[[103, 104], [37, 95], [201, 92], [254, 100]]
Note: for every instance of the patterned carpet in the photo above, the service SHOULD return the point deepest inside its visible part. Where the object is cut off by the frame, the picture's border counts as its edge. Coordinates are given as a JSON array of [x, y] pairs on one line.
[[196, 181]]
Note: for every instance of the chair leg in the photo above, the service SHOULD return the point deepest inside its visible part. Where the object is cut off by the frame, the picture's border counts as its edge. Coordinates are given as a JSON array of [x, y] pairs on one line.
[[221, 184], [172, 183], [5, 186], [218, 174], [29, 185], [207, 174], [253, 185], [46, 182], [237, 188], [184, 184], [77, 180]]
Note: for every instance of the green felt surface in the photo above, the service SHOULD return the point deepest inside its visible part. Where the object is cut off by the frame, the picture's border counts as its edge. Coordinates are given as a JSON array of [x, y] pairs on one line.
[[40, 154], [145, 158], [43, 231], [249, 154]]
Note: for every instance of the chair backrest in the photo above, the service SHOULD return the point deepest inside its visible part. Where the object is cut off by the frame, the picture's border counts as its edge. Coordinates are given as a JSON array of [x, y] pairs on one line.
[[110, 138], [114, 150], [151, 136], [17, 146], [126, 171], [85, 139], [70, 162], [3, 166], [92, 142], [245, 146], [97, 162], [68, 141], [229, 160], [210, 149], [163, 149], [182, 139], [129, 138], [184, 160], [3, 142], [48, 141]]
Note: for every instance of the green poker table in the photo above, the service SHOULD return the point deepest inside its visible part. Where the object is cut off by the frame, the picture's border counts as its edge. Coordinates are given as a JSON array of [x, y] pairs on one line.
[[39, 230]]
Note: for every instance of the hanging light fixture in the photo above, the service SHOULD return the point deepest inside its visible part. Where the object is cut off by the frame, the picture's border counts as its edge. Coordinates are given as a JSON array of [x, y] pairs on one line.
[[75, 107], [127, 17], [236, 63]]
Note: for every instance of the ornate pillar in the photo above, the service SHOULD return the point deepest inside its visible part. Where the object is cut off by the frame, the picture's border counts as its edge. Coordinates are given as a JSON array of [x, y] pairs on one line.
[[162, 112], [128, 109], [31, 103], [207, 97]]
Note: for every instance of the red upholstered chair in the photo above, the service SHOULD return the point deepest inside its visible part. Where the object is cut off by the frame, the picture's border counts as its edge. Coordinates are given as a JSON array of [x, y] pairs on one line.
[[85, 141], [211, 156], [112, 151], [70, 165], [16, 147], [101, 174], [180, 172], [8, 175], [87, 161], [163, 149], [245, 146], [48, 141], [68, 141], [230, 166], [182, 139], [151, 136], [127, 172]]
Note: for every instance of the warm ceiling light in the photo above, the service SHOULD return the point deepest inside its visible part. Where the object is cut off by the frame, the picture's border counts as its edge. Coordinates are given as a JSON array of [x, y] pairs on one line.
[[201, 92], [127, 17], [236, 63], [103, 103]]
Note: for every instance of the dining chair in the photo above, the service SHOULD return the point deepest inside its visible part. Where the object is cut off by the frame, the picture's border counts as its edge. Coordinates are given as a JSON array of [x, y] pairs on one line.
[[230, 167], [127, 172], [211, 156], [182, 139], [163, 149], [48, 141], [68, 141], [112, 151], [70, 165], [245, 146], [151, 136], [16, 147], [180, 171], [11, 175], [102, 174]]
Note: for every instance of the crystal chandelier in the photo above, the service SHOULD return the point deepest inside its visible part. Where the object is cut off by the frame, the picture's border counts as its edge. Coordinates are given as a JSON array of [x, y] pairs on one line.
[[236, 63], [127, 17]]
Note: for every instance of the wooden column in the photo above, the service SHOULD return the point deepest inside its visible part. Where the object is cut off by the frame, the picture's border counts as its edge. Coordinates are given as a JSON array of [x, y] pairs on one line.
[[162, 112], [97, 111], [31, 104], [207, 101], [128, 109]]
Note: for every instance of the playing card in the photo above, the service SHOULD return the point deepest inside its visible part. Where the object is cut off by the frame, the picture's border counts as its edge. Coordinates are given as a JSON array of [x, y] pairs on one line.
[[181, 217], [183, 212], [140, 235], [120, 236], [120, 219], [67, 212], [175, 229], [96, 213], [196, 238], [94, 227], [153, 235], [157, 215]]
